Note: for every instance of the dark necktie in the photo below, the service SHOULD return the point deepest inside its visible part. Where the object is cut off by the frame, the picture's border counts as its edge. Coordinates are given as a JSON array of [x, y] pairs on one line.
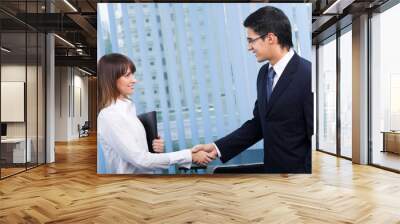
[[270, 82]]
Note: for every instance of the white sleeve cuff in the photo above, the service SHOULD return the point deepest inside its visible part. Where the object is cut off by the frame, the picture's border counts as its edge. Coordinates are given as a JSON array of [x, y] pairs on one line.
[[182, 157], [218, 152], [186, 165]]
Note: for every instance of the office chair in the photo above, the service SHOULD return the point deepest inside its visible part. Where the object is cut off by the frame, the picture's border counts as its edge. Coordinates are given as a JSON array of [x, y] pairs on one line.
[[84, 130]]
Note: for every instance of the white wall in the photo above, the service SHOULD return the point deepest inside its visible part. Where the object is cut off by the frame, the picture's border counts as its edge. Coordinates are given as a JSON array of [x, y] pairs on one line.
[[33, 126], [61, 103], [16, 73], [80, 102], [71, 94]]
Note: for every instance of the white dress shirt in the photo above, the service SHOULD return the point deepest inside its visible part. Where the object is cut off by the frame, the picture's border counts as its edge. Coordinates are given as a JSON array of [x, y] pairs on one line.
[[279, 67], [123, 140]]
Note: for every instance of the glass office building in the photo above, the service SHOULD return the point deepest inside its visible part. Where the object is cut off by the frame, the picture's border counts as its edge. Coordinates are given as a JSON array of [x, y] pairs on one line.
[[188, 70], [192, 64]]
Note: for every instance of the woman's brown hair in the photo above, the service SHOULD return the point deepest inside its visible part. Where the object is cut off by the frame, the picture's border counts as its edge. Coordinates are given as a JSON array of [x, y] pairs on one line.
[[110, 68]]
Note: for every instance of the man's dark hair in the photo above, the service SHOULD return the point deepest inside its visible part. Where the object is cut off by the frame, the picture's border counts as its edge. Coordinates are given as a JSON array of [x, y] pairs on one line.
[[269, 19]]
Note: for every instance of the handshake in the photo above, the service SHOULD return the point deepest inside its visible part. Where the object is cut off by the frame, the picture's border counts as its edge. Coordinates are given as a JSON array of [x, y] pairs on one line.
[[204, 153]]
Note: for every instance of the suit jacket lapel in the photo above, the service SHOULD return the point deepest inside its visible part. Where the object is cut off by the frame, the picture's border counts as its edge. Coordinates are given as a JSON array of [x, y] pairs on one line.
[[283, 82], [263, 89]]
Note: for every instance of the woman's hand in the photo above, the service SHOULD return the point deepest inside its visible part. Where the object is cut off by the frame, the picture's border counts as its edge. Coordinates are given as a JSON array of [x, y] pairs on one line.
[[201, 158], [158, 145]]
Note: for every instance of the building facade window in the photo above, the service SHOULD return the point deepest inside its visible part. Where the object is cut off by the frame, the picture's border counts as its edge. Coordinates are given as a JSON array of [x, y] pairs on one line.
[[346, 92], [385, 89], [327, 95]]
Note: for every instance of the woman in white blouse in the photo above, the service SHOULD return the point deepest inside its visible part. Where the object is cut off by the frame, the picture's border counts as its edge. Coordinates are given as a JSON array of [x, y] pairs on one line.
[[120, 133]]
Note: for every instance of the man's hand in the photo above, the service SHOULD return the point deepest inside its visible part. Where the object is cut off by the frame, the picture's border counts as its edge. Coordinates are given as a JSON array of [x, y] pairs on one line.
[[158, 145], [201, 157], [209, 149]]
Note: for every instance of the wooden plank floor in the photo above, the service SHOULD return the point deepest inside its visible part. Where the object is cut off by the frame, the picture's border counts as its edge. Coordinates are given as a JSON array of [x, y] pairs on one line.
[[70, 191]]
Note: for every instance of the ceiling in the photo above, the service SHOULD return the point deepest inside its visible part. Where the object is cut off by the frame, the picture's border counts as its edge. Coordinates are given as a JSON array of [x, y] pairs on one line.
[[331, 15], [75, 22]]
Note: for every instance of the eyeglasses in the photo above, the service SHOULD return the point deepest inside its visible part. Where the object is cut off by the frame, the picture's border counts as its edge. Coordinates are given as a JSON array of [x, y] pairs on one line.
[[251, 41]]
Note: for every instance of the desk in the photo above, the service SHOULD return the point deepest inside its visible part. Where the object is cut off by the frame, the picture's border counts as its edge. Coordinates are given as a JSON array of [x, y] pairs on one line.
[[391, 141], [13, 150]]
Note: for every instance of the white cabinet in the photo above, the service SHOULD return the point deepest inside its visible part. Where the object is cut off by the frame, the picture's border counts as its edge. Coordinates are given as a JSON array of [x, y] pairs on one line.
[[18, 149]]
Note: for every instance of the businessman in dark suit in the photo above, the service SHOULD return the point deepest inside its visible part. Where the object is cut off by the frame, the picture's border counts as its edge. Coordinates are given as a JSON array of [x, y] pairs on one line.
[[283, 111]]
